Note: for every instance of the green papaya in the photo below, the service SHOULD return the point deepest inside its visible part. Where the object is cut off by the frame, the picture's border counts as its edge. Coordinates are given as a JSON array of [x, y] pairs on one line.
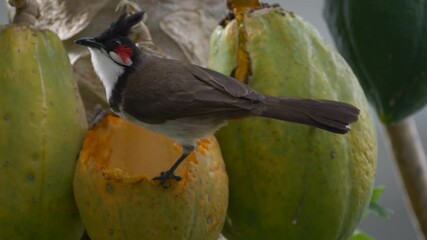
[[384, 43], [291, 181], [42, 124]]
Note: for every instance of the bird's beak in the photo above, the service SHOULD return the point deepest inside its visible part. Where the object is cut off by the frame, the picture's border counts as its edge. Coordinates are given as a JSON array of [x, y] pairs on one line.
[[89, 42]]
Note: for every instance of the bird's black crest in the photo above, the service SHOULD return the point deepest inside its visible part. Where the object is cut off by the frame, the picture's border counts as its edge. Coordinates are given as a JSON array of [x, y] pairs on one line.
[[122, 26]]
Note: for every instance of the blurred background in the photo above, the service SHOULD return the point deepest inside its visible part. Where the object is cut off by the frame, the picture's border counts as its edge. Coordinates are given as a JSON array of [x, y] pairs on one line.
[[399, 226]]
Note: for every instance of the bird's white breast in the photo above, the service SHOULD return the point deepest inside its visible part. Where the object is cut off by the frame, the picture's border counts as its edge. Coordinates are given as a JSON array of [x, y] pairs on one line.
[[106, 69], [185, 131]]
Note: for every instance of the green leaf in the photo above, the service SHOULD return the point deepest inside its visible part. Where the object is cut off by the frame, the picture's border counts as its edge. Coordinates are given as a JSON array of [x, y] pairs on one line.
[[375, 207], [377, 192], [359, 235], [380, 211]]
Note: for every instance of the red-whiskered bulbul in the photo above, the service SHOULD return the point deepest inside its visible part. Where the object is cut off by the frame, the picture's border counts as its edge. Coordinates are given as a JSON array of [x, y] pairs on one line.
[[187, 102]]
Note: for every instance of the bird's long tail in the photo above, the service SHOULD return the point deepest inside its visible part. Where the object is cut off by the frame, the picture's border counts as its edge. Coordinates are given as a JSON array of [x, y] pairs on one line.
[[325, 114]]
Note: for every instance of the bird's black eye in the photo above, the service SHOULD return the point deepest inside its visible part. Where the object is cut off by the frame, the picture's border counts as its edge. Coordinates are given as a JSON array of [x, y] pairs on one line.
[[116, 44]]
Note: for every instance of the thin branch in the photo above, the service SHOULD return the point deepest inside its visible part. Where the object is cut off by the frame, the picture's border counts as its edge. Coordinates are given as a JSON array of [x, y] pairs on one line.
[[412, 163]]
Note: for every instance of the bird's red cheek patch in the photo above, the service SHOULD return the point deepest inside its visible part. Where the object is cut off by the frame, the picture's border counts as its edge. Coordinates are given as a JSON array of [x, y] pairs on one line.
[[125, 54]]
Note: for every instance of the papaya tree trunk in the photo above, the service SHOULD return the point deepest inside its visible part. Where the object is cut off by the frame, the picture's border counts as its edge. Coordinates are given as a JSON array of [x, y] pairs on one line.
[[412, 163]]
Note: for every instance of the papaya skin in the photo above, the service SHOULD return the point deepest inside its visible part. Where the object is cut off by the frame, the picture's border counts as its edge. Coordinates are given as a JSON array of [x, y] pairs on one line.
[[42, 124], [289, 181]]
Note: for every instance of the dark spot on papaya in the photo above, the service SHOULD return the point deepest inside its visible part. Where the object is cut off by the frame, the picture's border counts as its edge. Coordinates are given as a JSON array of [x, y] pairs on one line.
[[209, 220], [110, 232], [5, 163], [30, 177], [6, 117], [109, 187], [333, 154], [34, 200], [281, 13]]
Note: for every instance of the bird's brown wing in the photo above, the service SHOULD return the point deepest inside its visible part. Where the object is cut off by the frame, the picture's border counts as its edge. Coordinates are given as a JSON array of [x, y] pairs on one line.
[[224, 83], [167, 89]]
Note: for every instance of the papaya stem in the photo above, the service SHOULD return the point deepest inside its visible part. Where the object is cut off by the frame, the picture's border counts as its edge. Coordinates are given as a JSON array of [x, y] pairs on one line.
[[27, 11], [18, 3], [412, 163], [242, 4]]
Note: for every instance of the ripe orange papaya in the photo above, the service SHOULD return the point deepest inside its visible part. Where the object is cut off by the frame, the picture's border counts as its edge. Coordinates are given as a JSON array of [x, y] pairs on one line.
[[118, 200]]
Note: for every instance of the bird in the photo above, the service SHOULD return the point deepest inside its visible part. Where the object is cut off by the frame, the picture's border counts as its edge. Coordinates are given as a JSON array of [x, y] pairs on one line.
[[187, 102]]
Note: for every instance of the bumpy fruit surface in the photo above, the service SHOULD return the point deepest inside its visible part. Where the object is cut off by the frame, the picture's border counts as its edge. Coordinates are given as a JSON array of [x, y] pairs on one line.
[[289, 181], [385, 45], [118, 200], [42, 125]]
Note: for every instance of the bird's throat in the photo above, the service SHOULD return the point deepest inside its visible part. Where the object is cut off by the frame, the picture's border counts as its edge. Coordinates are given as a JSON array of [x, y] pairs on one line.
[[107, 70]]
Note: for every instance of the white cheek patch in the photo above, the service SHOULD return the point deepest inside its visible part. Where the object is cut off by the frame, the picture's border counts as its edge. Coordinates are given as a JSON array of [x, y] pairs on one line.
[[106, 68], [118, 59]]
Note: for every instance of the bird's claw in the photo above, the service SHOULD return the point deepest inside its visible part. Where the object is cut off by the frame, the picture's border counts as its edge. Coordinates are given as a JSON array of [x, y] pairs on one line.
[[165, 177]]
